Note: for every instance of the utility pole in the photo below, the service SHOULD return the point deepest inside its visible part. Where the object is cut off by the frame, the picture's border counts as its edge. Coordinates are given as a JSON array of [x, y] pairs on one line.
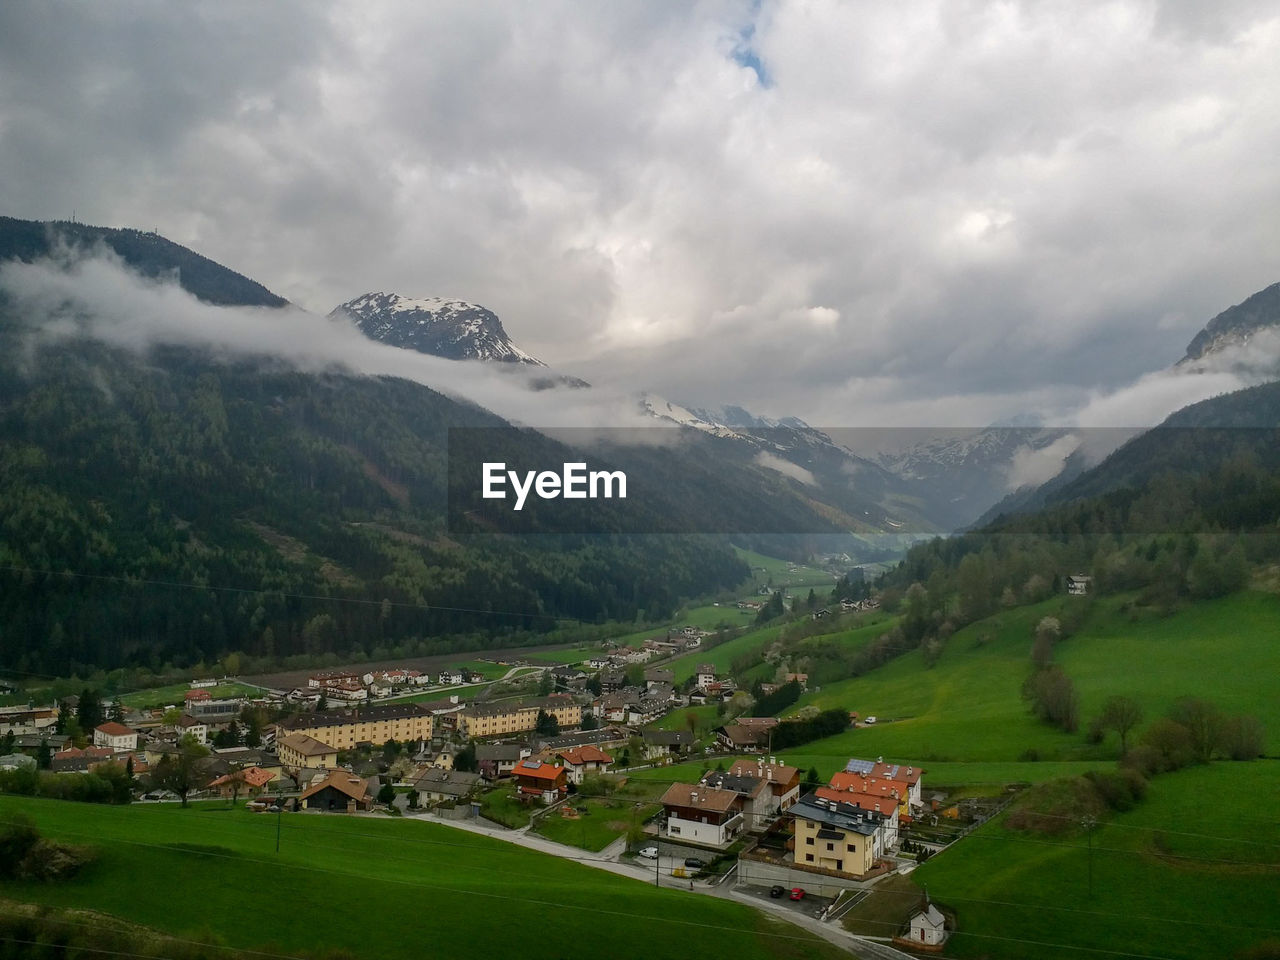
[[1089, 823]]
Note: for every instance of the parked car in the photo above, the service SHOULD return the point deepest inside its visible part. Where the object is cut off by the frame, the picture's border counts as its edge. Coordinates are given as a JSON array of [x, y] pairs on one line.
[[693, 863], [797, 893], [777, 891], [869, 720], [649, 853]]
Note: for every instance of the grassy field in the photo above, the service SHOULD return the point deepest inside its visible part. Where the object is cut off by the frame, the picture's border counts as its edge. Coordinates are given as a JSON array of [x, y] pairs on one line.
[[354, 883], [968, 708], [677, 719], [783, 574], [172, 695], [444, 693], [572, 655], [723, 655], [600, 822], [1192, 872]]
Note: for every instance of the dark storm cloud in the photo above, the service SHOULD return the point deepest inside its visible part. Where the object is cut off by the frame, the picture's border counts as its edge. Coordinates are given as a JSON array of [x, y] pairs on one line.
[[931, 211]]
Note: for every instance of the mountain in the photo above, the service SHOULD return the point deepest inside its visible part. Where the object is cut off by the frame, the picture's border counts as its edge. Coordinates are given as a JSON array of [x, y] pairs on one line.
[[1237, 325], [454, 329], [149, 254]]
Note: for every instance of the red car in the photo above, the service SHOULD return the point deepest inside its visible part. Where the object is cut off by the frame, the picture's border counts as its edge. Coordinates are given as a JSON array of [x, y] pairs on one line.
[[797, 893]]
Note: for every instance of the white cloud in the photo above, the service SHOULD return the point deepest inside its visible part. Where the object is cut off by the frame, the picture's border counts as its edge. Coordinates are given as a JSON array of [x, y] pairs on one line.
[[980, 206]]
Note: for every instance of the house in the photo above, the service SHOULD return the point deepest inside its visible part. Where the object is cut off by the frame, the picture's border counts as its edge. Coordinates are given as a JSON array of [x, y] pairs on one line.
[[753, 791], [17, 761], [22, 721], [250, 781], [115, 736], [926, 929], [499, 759], [298, 751], [612, 679], [658, 676], [541, 781], [73, 760], [834, 836], [191, 696], [659, 743], [887, 807], [503, 719], [702, 814], [437, 785], [907, 775], [704, 676], [450, 677], [784, 781], [1078, 586], [584, 761], [746, 733], [339, 792], [198, 729], [343, 729]]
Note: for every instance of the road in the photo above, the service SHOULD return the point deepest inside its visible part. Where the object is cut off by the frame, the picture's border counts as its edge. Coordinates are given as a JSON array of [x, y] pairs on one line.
[[646, 870]]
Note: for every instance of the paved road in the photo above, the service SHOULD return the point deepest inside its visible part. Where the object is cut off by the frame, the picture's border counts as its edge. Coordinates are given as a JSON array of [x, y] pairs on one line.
[[607, 859]]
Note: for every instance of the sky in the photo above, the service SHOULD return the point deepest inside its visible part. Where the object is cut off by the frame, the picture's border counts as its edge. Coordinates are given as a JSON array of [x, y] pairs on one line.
[[944, 213]]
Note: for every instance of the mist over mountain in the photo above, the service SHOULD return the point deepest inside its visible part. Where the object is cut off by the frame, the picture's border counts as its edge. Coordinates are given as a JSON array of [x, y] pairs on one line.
[[1237, 325]]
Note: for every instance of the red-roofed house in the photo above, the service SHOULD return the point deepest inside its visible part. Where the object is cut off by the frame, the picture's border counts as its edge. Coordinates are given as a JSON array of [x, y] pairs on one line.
[[536, 779], [193, 695], [252, 781], [115, 736], [584, 761], [888, 806]]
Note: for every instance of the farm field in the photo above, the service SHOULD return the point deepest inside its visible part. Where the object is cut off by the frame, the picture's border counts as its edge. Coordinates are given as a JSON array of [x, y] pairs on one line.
[[782, 574], [968, 708], [1191, 872], [371, 875]]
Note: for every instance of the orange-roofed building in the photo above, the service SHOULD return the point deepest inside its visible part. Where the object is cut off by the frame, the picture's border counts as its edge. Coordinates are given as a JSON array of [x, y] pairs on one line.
[[887, 806], [252, 781], [539, 780], [115, 736], [584, 761]]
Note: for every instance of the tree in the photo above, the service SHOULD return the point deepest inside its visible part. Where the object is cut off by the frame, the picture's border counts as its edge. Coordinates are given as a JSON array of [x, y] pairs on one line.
[[387, 795], [1120, 714], [412, 798], [545, 683], [322, 704], [465, 759], [1243, 738], [89, 710], [1203, 722], [589, 721], [1053, 698], [171, 717], [6, 743], [546, 725], [116, 713], [180, 773], [633, 676], [44, 755], [812, 778], [1048, 630]]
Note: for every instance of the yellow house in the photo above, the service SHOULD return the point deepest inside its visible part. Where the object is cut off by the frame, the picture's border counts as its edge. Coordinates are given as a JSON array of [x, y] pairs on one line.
[[503, 719], [344, 729], [299, 752], [834, 836]]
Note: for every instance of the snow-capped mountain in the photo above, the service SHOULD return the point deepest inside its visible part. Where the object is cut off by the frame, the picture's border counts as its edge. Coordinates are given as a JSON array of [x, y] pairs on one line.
[[454, 329]]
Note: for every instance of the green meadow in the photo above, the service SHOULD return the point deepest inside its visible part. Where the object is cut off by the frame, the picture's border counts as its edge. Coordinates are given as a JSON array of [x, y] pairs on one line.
[[723, 655], [1192, 872], [173, 694], [599, 822], [968, 709], [375, 887]]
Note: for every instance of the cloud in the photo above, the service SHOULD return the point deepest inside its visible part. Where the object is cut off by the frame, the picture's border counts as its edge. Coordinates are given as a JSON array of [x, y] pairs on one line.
[[1032, 466], [923, 212], [785, 467]]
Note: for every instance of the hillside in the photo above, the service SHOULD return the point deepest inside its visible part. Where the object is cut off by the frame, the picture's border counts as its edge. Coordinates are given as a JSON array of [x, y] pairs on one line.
[[1237, 324], [148, 253], [354, 883]]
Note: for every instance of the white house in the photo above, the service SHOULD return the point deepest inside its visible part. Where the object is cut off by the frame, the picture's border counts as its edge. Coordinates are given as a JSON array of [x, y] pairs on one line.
[[115, 736], [703, 814], [927, 927], [1078, 586], [705, 676]]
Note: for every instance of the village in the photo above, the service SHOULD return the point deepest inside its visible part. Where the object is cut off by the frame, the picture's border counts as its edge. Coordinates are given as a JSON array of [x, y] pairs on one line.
[[584, 768]]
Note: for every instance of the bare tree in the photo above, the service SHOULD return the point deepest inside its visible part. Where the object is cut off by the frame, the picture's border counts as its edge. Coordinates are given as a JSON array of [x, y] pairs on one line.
[[1121, 714]]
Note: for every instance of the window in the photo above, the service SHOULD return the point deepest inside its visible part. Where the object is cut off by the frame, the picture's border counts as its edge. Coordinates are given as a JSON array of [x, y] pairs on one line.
[[831, 846], [809, 841], [853, 848], [809, 857]]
